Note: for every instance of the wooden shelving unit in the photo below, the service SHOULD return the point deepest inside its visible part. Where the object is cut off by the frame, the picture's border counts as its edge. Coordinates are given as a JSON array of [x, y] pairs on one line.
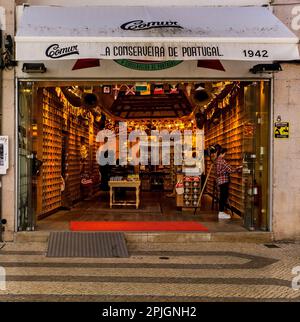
[[229, 134], [94, 163], [51, 143], [61, 135]]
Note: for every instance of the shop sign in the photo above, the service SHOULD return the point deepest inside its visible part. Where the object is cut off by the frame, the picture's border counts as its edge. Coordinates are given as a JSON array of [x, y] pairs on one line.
[[165, 54], [281, 130], [173, 33], [147, 65], [3, 154], [143, 25], [54, 51]]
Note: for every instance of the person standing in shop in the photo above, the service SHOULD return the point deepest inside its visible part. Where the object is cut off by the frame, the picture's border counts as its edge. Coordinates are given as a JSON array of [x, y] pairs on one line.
[[223, 171]]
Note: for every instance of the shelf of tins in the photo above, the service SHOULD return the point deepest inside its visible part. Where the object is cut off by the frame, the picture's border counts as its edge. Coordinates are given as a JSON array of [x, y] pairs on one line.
[[228, 133], [51, 152]]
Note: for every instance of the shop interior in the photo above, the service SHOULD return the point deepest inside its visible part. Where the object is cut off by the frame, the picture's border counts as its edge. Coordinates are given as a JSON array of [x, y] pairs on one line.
[[59, 172]]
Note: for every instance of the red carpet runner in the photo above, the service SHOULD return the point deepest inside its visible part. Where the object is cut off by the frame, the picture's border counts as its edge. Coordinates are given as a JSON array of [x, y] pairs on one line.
[[136, 226]]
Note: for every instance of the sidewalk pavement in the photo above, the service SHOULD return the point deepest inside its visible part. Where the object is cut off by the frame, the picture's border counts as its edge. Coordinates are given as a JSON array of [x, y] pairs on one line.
[[204, 271]]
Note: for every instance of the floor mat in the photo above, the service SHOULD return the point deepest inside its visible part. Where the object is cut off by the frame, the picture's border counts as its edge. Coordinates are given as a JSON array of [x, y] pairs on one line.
[[77, 244], [136, 226]]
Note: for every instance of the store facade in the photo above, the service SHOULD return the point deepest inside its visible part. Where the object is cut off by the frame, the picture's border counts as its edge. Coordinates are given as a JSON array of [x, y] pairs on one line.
[[239, 109]]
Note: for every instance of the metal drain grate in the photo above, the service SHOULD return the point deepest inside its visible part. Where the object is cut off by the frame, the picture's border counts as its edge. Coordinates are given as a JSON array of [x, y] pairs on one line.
[[83, 244]]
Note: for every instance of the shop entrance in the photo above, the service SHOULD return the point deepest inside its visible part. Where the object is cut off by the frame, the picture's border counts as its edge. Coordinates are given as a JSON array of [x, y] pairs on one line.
[[62, 178]]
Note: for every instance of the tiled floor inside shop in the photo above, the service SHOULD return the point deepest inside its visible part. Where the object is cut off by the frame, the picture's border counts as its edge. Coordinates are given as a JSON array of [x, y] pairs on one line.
[[154, 207]]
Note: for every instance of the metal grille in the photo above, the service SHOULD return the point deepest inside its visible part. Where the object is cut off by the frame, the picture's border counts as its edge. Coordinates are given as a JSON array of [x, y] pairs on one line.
[[83, 244]]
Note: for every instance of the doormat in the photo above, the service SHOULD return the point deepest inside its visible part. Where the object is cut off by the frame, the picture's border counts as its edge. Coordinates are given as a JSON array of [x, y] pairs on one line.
[[136, 226], [76, 244]]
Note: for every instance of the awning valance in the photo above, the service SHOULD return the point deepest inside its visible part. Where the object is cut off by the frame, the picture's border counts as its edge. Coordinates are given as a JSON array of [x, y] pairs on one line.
[[153, 33]]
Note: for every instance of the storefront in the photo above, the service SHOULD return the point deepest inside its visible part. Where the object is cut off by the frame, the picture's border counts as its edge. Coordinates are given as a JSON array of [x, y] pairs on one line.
[[154, 70]]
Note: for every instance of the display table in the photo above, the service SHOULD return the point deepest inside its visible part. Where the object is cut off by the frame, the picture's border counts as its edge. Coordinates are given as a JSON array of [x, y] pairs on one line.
[[124, 184]]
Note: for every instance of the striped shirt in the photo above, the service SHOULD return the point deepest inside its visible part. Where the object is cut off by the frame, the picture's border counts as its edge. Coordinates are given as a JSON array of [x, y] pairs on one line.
[[223, 170]]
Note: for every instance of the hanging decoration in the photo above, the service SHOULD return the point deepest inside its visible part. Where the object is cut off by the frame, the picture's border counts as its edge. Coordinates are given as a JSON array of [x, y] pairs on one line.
[[97, 111], [89, 101], [188, 89], [71, 97], [159, 89], [106, 89], [224, 100], [143, 88], [130, 90], [174, 89], [116, 91], [157, 124], [200, 120]]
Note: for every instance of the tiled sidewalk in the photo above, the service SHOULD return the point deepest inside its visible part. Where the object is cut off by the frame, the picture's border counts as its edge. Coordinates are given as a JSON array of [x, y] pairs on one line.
[[154, 272]]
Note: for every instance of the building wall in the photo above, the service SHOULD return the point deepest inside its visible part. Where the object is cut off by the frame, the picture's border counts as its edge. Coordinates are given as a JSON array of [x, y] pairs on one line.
[[8, 128], [286, 157], [286, 174]]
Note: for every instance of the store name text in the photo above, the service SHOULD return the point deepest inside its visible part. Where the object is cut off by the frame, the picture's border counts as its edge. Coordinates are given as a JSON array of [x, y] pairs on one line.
[[54, 51], [141, 25], [161, 51]]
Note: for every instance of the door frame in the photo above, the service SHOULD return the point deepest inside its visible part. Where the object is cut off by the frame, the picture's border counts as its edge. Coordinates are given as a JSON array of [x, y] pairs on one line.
[[50, 80]]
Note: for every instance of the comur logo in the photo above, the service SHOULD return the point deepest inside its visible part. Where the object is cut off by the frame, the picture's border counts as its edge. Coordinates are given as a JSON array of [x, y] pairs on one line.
[[54, 51], [142, 25]]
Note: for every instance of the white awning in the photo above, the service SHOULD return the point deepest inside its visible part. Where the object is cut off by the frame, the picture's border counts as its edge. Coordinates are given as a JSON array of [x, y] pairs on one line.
[[153, 33]]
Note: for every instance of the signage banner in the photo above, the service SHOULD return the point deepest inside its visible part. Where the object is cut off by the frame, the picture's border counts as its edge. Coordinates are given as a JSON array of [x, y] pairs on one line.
[[156, 51], [153, 33]]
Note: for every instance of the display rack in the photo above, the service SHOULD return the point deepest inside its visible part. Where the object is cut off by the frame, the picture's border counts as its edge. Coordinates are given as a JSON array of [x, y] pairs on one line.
[[170, 172], [229, 134], [78, 137], [94, 162], [62, 133], [191, 191], [51, 152]]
